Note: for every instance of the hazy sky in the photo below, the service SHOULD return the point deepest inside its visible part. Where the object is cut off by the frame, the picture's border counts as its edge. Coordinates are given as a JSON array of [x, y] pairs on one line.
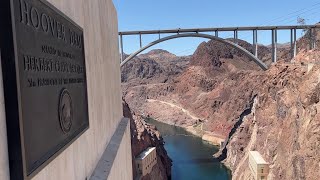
[[172, 14]]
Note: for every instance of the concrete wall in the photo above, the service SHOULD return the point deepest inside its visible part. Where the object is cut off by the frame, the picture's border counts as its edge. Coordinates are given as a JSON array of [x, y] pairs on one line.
[[4, 159], [119, 169], [99, 21]]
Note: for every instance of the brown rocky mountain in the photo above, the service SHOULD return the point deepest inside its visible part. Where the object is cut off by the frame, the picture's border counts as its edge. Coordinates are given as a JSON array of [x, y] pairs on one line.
[[155, 66], [194, 89], [223, 95], [210, 54]]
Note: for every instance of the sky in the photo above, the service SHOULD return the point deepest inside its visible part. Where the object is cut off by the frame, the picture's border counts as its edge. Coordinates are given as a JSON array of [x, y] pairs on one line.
[[173, 14]]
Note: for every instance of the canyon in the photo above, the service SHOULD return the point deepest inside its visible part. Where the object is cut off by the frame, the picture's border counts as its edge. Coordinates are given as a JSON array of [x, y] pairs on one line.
[[219, 94], [144, 135]]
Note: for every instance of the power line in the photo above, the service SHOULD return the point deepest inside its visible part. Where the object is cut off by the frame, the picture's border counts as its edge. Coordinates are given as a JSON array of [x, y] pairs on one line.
[[309, 15], [302, 11], [297, 11], [297, 15]]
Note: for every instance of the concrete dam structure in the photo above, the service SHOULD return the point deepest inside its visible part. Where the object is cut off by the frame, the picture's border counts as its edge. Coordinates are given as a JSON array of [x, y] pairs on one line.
[[61, 111]]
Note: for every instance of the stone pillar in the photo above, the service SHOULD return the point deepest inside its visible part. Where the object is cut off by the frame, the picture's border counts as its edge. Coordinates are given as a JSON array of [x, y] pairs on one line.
[[255, 43], [274, 45]]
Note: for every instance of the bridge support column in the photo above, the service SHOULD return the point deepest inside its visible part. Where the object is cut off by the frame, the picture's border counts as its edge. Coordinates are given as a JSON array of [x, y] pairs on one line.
[[216, 33], [235, 36], [274, 45], [255, 43], [140, 40], [293, 34], [312, 39], [121, 48]]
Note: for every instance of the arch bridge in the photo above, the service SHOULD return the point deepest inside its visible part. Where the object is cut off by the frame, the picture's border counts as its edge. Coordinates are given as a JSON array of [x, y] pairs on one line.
[[204, 33]]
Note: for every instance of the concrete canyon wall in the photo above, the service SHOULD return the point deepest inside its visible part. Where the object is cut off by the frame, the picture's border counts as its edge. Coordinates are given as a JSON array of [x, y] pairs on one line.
[[98, 18]]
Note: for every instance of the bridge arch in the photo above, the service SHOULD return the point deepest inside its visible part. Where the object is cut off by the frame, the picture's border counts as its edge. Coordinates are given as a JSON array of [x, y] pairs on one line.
[[207, 36]]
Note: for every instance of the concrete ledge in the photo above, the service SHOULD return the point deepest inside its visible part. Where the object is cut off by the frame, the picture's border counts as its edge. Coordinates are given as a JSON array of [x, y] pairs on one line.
[[104, 165]]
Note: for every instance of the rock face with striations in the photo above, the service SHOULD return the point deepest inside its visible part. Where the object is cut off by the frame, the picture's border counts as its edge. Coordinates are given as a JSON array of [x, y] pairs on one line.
[[202, 90], [144, 135], [275, 112], [283, 124]]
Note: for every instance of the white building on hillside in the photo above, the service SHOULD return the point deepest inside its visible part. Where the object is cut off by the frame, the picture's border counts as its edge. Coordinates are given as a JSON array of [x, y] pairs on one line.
[[258, 166], [146, 160]]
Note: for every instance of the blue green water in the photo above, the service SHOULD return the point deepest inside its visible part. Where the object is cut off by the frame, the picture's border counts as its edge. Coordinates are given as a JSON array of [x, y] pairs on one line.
[[192, 157]]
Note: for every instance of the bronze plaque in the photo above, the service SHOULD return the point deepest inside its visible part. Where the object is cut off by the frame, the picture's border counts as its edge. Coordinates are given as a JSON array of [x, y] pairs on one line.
[[48, 63]]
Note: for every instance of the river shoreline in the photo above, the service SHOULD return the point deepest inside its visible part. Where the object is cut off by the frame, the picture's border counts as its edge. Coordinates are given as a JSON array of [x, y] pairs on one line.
[[196, 130], [206, 136]]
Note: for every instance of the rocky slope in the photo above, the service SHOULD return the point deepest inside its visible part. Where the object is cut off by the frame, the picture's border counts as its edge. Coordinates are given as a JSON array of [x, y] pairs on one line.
[[201, 91], [144, 135], [283, 125], [156, 66], [223, 94], [281, 121]]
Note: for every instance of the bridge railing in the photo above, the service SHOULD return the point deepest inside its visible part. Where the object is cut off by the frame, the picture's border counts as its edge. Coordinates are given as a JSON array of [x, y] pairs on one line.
[[235, 30]]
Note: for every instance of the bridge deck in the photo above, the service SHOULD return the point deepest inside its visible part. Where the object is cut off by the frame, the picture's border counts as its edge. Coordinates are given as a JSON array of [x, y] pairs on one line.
[[196, 32], [247, 28]]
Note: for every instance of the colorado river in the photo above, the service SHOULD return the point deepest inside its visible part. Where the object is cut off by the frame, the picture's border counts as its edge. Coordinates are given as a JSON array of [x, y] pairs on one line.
[[191, 156]]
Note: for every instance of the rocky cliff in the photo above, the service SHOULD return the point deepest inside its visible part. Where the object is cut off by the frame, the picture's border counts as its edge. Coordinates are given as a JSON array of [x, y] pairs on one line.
[[199, 94], [283, 124], [222, 93], [144, 135]]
